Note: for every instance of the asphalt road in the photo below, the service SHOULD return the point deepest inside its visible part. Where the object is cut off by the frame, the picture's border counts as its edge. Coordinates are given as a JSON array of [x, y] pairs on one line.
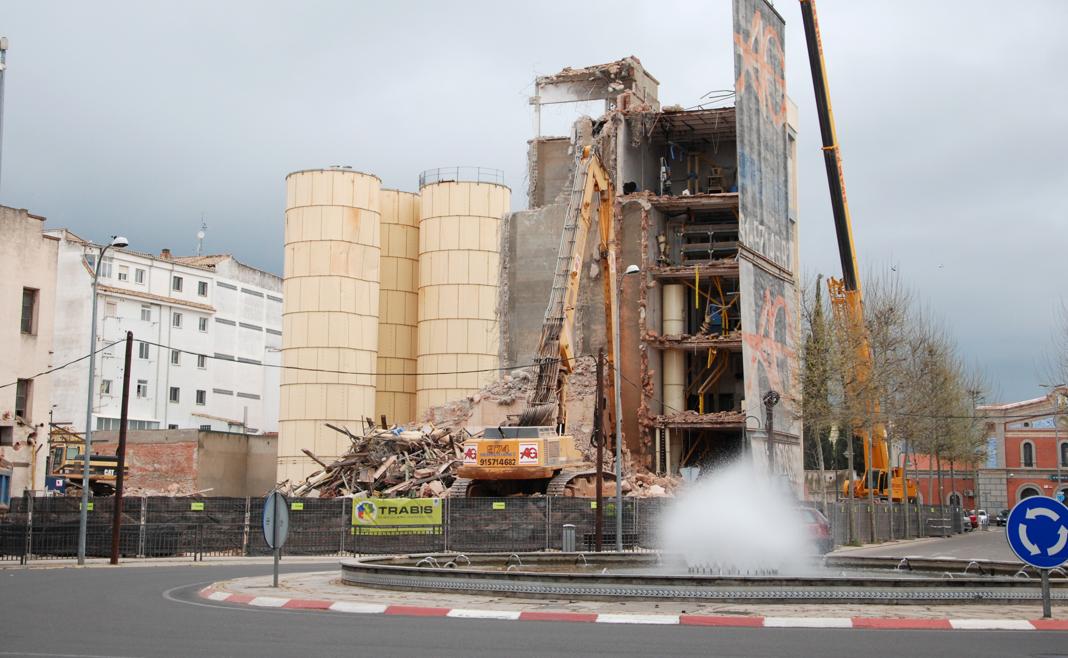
[[154, 611], [988, 544]]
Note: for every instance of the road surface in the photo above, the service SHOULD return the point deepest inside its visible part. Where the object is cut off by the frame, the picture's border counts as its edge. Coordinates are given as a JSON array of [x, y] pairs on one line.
[[154, 611], [975, 545]]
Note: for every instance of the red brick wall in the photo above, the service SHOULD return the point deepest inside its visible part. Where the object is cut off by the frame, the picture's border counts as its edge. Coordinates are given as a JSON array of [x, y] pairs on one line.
[[160, 467], [1045, 452]]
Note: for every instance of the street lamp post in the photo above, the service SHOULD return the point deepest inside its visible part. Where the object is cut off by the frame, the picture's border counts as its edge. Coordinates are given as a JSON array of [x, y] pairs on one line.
[[618, 384], [3, 71], [83, 517]]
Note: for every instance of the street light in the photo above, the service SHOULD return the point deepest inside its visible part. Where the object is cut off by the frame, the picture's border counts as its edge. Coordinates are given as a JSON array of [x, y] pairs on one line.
[[1055, 391], [617, 384], [118, 242]]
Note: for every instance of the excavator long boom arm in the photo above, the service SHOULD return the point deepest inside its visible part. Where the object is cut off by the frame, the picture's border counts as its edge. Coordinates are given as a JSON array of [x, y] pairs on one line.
[[556, 348]]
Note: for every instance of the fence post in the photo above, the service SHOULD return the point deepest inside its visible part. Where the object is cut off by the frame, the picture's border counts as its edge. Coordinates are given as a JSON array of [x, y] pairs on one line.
[[447, 512], [245, 547], [548, 521], [27, 549], [341, 546], [141, 529]]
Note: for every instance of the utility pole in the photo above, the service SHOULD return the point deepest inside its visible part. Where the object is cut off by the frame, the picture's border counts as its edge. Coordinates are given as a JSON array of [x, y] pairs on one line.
[[116, 517], [598, 439]]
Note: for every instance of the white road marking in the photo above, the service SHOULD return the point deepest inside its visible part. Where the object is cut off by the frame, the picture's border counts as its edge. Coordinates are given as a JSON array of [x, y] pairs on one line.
[[218, 596], [637, 619], [362, 608], [463, 613], [992, 624], [268, 602], [808, 622]]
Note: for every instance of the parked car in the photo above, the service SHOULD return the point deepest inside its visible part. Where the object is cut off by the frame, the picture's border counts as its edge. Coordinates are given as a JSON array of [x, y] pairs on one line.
[[1002, 518], [819, 529]]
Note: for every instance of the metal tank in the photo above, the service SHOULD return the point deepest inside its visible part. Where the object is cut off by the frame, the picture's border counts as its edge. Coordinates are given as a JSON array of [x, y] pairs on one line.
[[398, 317], [330, 314], [459, 269]]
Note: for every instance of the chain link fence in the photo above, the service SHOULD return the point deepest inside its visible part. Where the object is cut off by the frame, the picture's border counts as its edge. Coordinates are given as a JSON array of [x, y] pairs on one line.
[[47, 527]]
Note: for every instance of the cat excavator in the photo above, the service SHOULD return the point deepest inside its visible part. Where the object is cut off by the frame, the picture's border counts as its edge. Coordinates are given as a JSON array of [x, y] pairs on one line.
[[880, 480], [537, 455]]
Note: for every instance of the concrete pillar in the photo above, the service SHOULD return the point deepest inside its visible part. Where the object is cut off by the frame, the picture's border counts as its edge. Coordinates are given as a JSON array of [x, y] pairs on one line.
[[674, 367]]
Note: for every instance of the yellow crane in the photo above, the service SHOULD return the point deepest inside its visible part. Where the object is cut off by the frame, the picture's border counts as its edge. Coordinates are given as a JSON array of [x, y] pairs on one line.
[[847, 301]]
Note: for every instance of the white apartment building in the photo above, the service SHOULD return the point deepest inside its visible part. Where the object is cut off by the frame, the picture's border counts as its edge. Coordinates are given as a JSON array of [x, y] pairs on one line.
[[206, 329]]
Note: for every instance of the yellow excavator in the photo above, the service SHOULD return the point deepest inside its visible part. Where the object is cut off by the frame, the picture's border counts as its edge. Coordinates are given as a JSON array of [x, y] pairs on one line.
[[847, 302], [537, 455]]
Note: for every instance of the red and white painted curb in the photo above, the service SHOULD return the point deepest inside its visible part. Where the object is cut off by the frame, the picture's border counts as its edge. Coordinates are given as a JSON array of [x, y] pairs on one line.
[[604, 618]]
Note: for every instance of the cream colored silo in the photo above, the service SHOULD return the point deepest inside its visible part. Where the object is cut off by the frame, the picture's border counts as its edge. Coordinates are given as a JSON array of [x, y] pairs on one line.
[[459, 268], [398, 306], [329, 314]]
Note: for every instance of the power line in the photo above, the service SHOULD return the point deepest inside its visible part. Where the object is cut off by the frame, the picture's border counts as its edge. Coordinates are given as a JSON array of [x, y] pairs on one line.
[[68, 363]]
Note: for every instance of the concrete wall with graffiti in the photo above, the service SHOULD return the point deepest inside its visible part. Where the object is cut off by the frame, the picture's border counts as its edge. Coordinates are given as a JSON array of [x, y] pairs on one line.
[[770, 304]]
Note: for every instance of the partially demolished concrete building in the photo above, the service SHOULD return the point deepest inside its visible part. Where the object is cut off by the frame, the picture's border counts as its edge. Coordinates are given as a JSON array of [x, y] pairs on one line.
[[706, 211]]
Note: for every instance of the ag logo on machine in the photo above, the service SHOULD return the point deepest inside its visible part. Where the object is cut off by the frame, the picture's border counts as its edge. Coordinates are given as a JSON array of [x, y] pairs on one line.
[[1037, 530], [528, 453]]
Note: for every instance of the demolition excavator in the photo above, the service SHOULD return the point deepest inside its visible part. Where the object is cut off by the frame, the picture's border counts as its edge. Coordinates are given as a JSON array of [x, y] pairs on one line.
[[537, 455], [847, 302]]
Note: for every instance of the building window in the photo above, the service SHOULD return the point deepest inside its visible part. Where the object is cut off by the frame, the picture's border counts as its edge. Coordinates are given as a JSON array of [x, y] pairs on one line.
[[124, 273], [172, 426], [175, 394], [1064, 453], [202, 324], [176, 357], [1028, 492], [139, 276], [202, 397], [1027, 454], [176, 320], [23, 391], [142, 388], [7, 436], [202, 361], [205, 428], [146, 312], [176, 283], [105, 387], [202, 288], [29, 311], [114, 424], [105, 268], [142, 349], [111, 309]]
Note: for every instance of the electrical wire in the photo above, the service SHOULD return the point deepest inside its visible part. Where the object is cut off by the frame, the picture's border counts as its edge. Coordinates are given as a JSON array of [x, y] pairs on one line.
[[68, 363]]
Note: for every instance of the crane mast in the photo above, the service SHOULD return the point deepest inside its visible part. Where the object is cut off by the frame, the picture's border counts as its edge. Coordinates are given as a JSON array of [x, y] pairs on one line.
[[847, 301]]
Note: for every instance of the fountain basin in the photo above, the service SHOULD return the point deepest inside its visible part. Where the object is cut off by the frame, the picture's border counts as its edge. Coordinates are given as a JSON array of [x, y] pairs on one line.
[[651, 576]]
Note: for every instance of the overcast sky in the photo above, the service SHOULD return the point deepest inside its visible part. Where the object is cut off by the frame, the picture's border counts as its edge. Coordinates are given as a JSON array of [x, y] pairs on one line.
[[137, 117]]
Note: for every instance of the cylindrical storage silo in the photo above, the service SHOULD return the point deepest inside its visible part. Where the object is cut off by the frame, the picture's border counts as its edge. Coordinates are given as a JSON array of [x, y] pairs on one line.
[[329, 314], [459, 271], [398, 317]]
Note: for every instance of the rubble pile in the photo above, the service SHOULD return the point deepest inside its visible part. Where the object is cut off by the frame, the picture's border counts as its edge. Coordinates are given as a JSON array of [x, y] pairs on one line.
[[649, 485], [386, 462]]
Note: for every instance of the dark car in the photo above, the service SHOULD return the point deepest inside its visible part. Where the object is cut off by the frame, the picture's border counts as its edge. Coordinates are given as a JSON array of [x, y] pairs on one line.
[[1002, 518], [819, 529]]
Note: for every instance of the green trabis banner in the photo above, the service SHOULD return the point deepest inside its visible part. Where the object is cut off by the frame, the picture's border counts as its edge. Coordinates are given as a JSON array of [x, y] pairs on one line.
[[396, 516]]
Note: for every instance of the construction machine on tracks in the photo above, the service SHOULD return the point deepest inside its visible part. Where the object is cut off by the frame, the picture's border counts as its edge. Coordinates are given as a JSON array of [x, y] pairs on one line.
[[536, 455]]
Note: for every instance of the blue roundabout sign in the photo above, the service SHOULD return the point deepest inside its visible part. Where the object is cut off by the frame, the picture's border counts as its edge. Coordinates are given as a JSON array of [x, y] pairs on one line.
[[1037, 530]]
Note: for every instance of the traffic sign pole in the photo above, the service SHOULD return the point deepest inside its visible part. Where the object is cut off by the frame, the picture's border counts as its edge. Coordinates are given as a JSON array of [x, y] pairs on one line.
[[274, 529], [1047, 606]]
